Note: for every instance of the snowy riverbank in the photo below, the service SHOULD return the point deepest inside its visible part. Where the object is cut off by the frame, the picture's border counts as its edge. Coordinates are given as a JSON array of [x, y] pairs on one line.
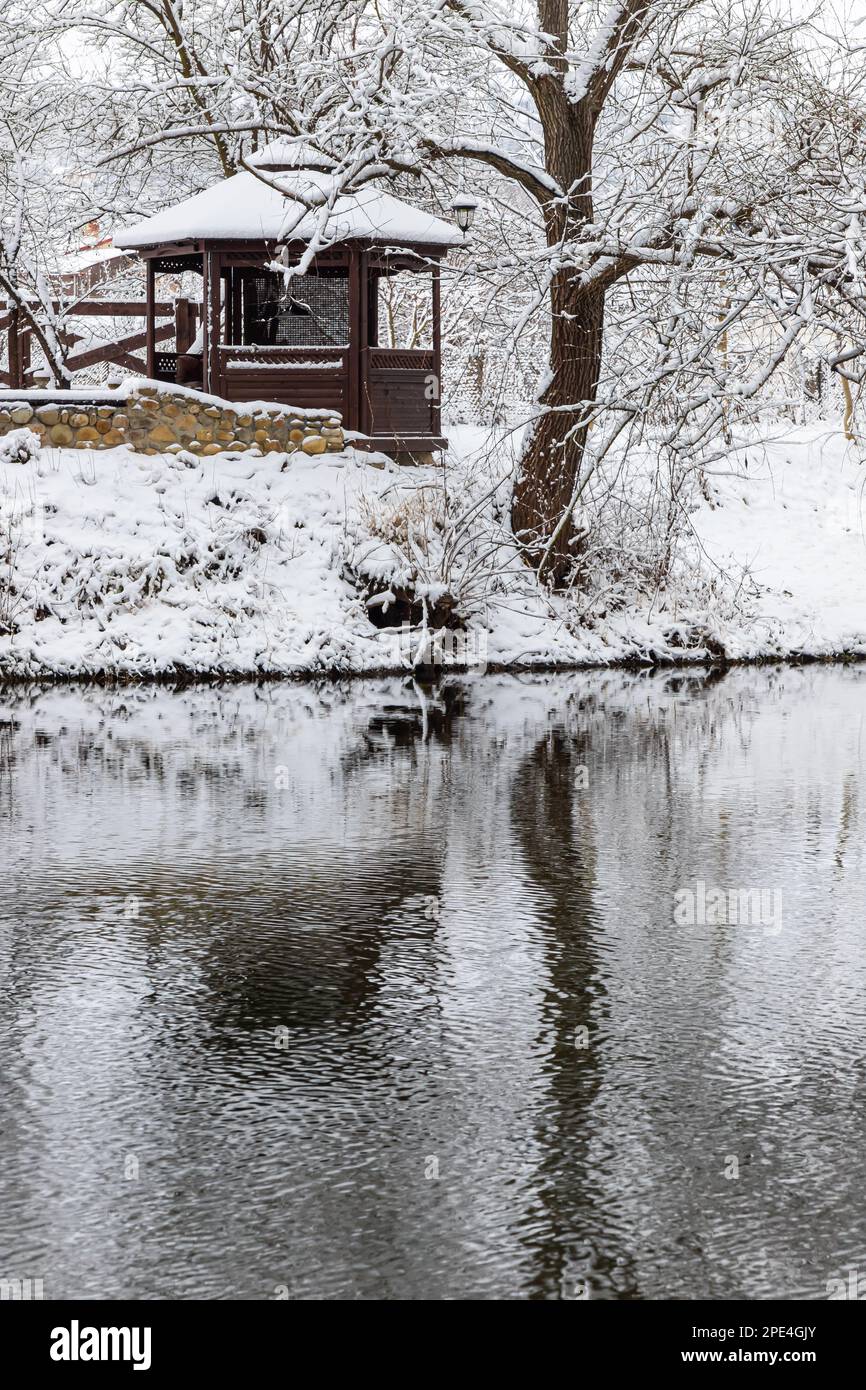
[[116, 563]]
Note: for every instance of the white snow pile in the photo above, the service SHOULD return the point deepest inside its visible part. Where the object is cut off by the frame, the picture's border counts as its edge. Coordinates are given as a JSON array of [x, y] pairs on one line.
[[114, 563], [18, 446]]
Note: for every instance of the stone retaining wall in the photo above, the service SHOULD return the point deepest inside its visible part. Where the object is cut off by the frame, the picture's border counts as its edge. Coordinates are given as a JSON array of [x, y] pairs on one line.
[[151, 420]]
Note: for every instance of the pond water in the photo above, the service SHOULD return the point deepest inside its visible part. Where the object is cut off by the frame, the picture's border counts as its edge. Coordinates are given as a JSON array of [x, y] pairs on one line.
[[364, 990]]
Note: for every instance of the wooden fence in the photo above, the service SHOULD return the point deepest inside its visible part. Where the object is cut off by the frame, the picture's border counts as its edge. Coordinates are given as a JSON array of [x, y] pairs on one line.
[[176, 320]]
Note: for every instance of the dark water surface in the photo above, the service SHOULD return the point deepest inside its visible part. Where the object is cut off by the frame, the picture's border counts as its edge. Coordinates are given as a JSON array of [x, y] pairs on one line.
[[364, 991]]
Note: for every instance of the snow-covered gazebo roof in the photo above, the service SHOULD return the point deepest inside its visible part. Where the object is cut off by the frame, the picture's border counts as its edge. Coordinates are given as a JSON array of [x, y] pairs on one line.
[[245, 207]]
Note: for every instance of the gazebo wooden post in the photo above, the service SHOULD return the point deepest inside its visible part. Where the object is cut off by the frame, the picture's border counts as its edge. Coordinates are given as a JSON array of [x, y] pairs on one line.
[[14, 339], [24, 357], [212, 327], [205, 319], [237, 323], [150, 317], [436, 412], [364, 413], [353, 391], [184, 331]]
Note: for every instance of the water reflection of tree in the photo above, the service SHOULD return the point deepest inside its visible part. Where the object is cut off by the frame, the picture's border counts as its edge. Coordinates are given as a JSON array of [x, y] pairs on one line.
[[556, 837], [255, 913]]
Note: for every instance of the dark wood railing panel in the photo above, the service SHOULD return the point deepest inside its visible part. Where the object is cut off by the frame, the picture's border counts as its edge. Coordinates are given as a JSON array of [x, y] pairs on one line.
[[299, 389], [397, 389], [398, 402], [316, 378]]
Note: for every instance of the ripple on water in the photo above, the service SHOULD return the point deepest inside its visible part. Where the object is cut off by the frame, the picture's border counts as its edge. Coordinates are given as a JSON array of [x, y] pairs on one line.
[[300, 989]]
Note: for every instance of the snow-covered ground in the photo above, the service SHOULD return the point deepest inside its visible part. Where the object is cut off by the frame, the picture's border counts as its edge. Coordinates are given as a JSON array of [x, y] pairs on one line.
[[793, 517], [120, 563]]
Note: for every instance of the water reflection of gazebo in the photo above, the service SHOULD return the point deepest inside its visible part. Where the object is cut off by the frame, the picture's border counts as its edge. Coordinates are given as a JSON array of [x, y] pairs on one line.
[[313, 342]]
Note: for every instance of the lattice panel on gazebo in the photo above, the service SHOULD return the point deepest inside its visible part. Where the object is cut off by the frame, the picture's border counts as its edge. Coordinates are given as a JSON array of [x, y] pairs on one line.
[[177, 265], [402, 359], [165, 366], [311, 311]]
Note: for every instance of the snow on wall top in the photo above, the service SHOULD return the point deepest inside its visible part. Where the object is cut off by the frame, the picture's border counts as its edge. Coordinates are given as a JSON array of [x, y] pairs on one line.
[[246, 208]]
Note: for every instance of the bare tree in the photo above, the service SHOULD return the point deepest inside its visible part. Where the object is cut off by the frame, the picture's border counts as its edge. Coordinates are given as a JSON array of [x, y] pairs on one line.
[[679, 183]]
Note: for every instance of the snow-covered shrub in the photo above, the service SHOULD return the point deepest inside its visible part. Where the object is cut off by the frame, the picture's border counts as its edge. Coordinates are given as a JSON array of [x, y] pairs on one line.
[[413, 518], [432, 549], [19, 446]]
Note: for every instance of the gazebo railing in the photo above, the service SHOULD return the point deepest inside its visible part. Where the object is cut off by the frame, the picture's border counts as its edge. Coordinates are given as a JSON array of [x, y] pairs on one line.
[[396, 387], [401, 392], [302, 376]]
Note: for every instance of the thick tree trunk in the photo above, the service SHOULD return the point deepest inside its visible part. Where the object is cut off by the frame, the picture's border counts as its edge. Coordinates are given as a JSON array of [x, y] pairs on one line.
[[552, 456]]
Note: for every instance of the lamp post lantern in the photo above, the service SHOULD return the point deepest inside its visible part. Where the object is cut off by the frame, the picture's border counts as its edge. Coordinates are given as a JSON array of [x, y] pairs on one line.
[[464, 208]]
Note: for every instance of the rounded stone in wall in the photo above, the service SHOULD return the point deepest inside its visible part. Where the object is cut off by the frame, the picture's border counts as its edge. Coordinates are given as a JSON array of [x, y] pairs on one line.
[[162, 434]]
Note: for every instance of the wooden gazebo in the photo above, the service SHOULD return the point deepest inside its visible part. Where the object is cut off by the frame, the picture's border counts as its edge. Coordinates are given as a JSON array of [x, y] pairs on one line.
[[314, 341]]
